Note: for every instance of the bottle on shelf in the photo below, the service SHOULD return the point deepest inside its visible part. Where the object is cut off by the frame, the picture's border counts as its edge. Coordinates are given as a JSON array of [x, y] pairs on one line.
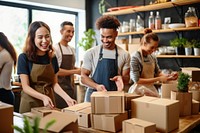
[[125, 27], [139, 24], [151, 21], [132, 25], [158, 23], [191, 19]]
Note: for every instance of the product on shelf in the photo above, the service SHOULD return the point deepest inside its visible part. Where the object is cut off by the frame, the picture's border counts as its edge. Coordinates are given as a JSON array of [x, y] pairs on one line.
[[158, 23], [191, 19], [151, 21]]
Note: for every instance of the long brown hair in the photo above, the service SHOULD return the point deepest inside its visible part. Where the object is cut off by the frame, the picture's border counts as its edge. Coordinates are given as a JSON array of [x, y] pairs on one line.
[[30, 48], [6, 44]]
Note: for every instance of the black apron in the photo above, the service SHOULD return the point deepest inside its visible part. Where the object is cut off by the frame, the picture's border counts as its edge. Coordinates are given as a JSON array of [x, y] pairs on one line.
[[105, 69], [66, 82]]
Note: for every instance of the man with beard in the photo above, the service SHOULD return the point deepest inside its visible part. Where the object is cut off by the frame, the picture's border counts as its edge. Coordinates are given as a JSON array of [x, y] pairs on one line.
[[66, 60], [105, 67]]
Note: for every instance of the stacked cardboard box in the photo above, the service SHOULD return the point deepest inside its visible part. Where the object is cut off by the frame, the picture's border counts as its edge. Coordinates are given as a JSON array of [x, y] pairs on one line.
[[82, 111], [6, 118], [108, 110]]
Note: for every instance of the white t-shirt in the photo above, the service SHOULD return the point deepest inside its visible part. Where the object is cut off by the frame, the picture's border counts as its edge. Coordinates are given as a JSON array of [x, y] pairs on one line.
[[6, 64], [91, 57], [67, 50]]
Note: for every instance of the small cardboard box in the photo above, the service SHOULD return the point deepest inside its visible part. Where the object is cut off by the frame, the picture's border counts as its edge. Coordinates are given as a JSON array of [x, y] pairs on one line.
[[109, 102], [108, 122], [6, 118], [163, 112], [83, 112], [65, 122], [41, 111], [127, 99], [135, 125], [195, 107], [194, 72], [195, 95], [166, 89]]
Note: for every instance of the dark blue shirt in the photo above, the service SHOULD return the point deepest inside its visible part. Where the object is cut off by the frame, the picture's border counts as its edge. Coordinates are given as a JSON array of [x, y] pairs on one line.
[[24, 66]]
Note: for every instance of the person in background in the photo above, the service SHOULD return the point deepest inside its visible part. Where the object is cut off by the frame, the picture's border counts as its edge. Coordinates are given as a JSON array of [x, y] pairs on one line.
[[37, 67], [66, 61], [105, 67], [144, 69], [8, 59]]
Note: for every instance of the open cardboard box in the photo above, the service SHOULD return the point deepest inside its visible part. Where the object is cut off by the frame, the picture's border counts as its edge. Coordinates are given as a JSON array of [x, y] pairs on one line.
[[65, 122], [107, 102], [135, 125], [194, 72], [163, 112], [83, 112], [6, 118]]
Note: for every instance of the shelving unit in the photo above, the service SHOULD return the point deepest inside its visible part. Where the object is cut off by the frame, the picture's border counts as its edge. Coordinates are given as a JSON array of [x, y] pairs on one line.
[[152, 7], [177, 56]]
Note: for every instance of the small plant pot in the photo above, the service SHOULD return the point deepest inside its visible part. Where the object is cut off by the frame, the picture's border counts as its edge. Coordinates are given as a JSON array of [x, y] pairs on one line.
[[180, 51], [185, 102], [197, 51], [188, 51]]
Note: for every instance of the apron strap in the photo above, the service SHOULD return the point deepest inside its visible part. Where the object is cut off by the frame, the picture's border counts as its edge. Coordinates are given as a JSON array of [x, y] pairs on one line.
[[60, 49]]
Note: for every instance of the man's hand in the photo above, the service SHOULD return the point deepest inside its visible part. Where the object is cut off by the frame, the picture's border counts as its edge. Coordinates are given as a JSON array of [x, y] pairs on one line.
[[119, 82], [101, 88]]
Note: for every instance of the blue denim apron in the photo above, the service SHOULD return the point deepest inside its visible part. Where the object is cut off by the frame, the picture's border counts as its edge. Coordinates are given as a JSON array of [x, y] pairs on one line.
[[105, 69]]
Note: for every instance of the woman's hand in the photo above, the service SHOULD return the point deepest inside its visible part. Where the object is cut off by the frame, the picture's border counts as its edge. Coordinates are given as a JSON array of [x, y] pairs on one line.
[[163, 78], [71, 102], [47, 102], [119, 82]]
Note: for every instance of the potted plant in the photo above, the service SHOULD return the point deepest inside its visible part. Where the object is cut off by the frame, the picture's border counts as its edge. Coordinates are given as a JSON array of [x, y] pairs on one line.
[[102, 6], [196, 46], [29, 127], [178, 43], [89, 39], [182, 95], [188, 47]]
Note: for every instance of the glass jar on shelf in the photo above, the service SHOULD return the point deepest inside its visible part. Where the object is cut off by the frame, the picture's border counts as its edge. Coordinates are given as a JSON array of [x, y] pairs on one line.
[[191, 19]]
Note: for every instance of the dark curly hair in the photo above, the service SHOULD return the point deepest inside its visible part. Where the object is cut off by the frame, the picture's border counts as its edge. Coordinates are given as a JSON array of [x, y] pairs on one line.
[[109, 22]]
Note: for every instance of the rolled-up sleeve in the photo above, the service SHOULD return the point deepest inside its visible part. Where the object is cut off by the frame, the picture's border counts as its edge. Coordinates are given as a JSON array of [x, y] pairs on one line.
[[135, 68]]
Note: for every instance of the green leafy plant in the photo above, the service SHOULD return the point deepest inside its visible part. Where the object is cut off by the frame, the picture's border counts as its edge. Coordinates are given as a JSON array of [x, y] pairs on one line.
[[195, 43], [102, 6], [178, 42], [33, 128], [89, 39], [188, 44], [183, 81]]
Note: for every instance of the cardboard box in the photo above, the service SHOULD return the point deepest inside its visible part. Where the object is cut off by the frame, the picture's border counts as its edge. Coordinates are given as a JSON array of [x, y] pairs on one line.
[[194, 72], [163, 112], [185, 102], [65, 122], [166, 89], [135, 125], [108, 122], [195, 95], [83, 112], [195, 107], [6, 118], [41, 111], [127, 99], [107, 102]]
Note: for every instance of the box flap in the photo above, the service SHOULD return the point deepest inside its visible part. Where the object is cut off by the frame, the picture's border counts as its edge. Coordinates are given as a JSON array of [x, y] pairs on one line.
[[77, 107], [165, 102], [62, 120], [145, 99], [5, 105], [107, 94], [86, 111]]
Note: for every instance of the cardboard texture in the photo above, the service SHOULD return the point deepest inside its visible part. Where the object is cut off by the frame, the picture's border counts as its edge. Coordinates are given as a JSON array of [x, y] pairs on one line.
[[83, 112], [185, 102], [195, 107], [163, 112], [41, 111], [110, 102], [64, 122], [194, 72], [166, 89], [6, 118], [127, 99], [196, 95], [135, 125], [108, 122]]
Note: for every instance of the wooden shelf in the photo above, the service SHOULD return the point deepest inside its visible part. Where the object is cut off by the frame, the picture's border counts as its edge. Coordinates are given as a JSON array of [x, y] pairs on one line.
[[160, 31], [177, 56], [152, 7]]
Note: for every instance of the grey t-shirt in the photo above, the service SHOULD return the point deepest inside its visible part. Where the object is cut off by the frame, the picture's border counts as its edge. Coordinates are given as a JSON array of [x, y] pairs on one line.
[[91, 57], [136, 65]]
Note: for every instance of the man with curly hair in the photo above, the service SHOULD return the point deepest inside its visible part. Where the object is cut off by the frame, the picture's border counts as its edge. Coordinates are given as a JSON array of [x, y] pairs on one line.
[[105, 67]]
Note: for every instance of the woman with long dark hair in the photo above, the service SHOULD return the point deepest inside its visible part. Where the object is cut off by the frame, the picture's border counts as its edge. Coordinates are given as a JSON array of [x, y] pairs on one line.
[[8, 59]]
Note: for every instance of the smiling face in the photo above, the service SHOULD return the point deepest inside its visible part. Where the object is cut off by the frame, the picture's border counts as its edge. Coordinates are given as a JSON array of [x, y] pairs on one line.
[[67, 33], [108, 37], [42, 40], [149, 48]]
